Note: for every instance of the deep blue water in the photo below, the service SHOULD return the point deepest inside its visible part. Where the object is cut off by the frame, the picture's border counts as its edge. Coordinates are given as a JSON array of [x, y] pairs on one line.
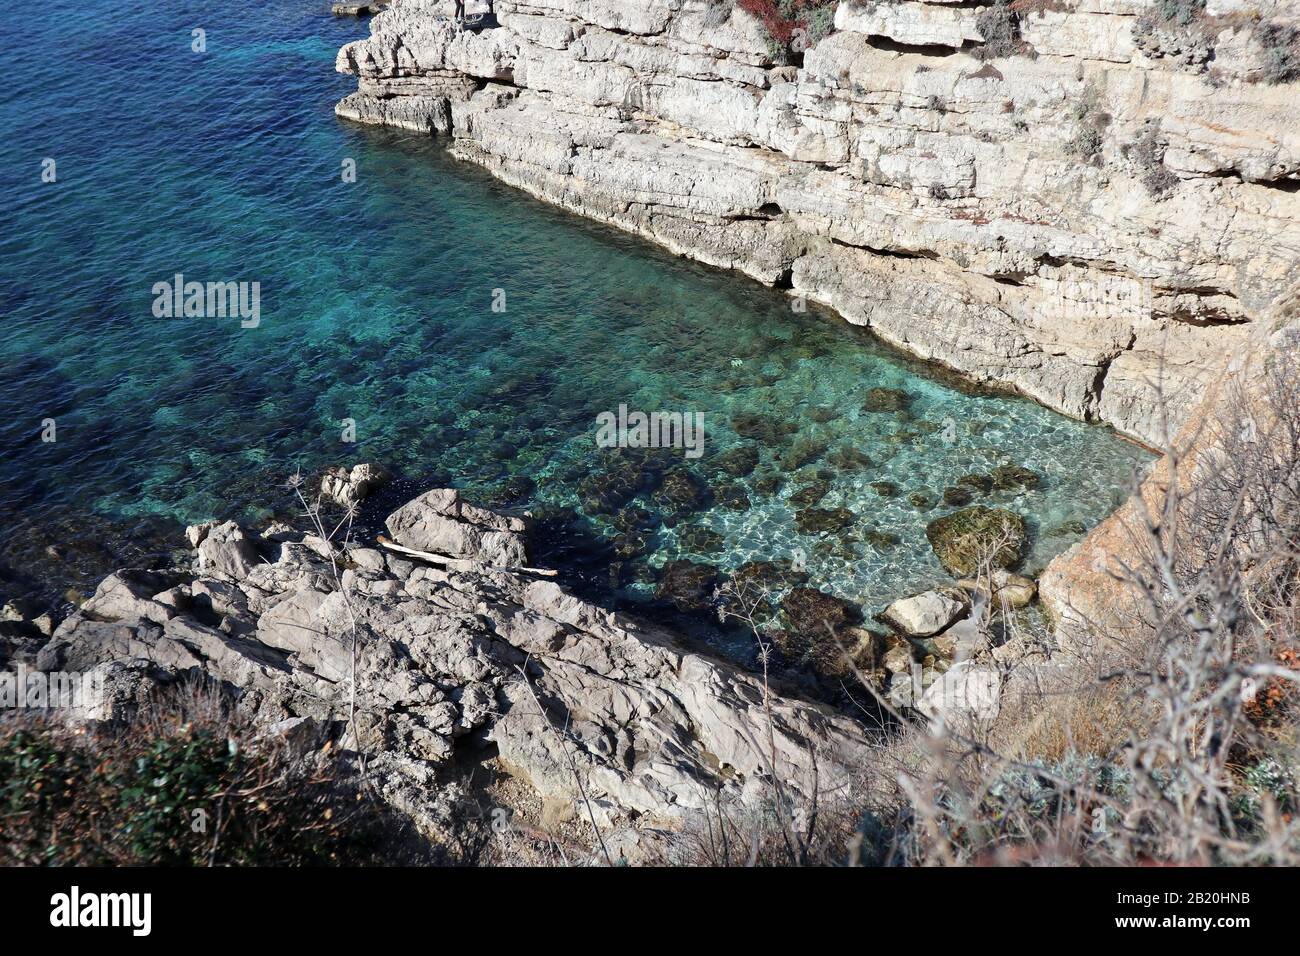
[[376, 307]]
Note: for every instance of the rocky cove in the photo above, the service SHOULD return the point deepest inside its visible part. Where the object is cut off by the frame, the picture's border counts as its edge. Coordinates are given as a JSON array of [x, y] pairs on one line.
[[440, 643], [552, 606], [822, 446], [988, 207]]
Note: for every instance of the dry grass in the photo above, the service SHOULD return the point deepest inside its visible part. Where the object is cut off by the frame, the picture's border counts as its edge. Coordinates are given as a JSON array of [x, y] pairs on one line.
[[1166, 733]]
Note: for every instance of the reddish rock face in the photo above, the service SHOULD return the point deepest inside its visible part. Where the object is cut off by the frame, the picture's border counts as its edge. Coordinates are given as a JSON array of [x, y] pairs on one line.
[[1082, 587]]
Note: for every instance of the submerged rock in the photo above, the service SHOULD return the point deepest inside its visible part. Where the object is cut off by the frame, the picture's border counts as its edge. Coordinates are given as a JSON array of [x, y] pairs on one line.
[[886, 489], [963, 539], [856, 651], [822, 633], [768, 429], [700, 540], [732, 496], [633, 519], [886, 400], [810, 494], [613, 486], [981, 483], [682, 492], [689, 586], [1067, 529], [739, 461], [880, 540], [809, 611], [848, 458], [513, 491], [1010, 477], [773, 575], [958, 495], [802, 451], [823, 520], [630, 544]]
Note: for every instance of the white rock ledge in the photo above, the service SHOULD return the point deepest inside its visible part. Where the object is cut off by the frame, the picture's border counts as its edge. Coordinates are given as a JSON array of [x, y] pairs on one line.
[[942, 201]]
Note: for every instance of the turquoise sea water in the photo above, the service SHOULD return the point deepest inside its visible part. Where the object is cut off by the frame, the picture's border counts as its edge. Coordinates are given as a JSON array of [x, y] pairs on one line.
[[376, 306]]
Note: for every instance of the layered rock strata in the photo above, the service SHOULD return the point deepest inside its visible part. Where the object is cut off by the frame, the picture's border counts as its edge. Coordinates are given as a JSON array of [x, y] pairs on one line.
[[1090, 221]]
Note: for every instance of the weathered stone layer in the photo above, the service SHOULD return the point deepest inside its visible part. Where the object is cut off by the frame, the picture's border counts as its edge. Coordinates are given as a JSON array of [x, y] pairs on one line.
[[1077, 225]]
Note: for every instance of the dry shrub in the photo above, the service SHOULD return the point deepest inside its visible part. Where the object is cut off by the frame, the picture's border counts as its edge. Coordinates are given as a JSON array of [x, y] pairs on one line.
[[1092, 722], [1178, 743], [185, 784]]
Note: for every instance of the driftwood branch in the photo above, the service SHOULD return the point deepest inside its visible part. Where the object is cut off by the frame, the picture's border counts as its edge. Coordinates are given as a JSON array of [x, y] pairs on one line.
[[459, 564]]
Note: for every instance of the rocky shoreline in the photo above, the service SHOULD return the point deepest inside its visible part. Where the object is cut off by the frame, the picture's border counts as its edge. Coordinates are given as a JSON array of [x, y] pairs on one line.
[[598, 713], [437, 642], [901, 171], [884, 175]]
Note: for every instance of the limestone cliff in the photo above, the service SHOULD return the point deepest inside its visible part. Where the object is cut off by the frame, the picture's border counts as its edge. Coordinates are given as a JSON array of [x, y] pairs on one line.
[[1108, 206], [1092, 589]]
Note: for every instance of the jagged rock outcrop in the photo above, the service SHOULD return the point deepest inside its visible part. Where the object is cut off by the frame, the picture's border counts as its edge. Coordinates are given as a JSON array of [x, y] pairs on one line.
[[1078, 223], [349, 487], [411, 661]]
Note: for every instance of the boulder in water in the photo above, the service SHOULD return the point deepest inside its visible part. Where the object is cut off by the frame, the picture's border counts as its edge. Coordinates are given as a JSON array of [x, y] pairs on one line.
[[964, 539], [926, 614], [689, 586], [349, 488], [886, 400]]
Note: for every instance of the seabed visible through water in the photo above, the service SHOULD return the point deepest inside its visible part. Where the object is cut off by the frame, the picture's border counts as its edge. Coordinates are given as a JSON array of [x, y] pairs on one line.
[[820, 446]]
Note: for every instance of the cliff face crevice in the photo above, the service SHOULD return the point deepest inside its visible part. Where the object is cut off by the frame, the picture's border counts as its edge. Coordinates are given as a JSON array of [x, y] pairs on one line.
[[1076, 223]]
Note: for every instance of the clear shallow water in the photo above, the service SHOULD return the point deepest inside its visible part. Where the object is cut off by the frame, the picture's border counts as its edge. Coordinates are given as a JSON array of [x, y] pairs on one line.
[[376, 306]]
